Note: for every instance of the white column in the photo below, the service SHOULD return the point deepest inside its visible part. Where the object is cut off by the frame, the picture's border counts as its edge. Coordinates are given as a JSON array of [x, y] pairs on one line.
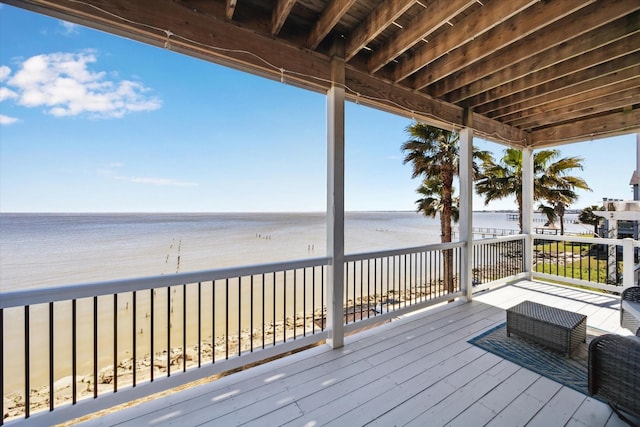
[[466, 210], [335, 202], [527, 209]]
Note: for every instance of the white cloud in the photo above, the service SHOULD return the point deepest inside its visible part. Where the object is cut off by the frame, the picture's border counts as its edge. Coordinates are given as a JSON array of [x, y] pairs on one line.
[[4, 72], [6, 120], [65, 86], [6, 93], [69, 29]]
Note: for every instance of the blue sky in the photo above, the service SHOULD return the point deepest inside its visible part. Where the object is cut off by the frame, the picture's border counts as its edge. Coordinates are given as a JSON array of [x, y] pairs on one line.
[[92, 122]]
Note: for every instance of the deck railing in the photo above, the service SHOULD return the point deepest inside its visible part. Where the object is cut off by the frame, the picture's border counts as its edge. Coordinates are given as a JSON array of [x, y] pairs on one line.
[[497, 260], [74, 350], [605, 264], [107, 343]]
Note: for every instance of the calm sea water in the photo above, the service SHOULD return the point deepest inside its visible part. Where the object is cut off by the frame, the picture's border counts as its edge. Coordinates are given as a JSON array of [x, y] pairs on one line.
[[41, 250]]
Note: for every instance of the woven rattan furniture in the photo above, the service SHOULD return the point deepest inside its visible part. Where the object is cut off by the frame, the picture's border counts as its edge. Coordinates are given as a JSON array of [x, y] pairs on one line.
[[552, 327], [630, 310], [614, 371]]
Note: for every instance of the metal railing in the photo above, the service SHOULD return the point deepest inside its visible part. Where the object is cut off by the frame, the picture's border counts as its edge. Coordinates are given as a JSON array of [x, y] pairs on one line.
[[74, 350], [111, 342], [605, 264], [497, 260], [379, 285]]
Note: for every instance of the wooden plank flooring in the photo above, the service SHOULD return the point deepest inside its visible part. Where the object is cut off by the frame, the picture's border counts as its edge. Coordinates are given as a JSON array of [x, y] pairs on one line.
[[415, 371]]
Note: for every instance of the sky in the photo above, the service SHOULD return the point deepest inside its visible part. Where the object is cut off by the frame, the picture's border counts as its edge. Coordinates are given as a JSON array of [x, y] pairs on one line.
[[93, 122]]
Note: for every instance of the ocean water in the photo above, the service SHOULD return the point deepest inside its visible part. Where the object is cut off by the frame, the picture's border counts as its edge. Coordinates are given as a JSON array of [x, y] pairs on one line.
[[43, 250]]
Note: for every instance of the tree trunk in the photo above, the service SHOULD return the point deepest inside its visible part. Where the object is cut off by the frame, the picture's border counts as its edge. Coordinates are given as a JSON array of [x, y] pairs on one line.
[[447, 202]]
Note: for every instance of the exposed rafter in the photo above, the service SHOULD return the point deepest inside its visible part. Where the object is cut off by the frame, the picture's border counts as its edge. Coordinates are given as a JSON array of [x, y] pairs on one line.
[[441, 12], [280, 14], [387, 12], [329, 18]]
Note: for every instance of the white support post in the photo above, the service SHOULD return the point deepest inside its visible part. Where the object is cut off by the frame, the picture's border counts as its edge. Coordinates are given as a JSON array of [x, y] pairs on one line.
[[527, 210], [466, 210], [628, 266], [335, 200]]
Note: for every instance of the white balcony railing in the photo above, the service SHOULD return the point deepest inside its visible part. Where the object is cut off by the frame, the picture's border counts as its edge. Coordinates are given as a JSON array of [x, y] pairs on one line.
[[73, 350]]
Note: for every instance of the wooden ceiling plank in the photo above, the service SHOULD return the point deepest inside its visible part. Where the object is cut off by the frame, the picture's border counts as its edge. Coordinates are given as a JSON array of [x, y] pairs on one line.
[[616, 96], [514, 29], [599, 76], [280, 14], [559, 92], [541, 50], [470, 27], [601, 55], [383, 16], [420, 27], [329, 18], [230, 8], [612, 102], [617, 123]]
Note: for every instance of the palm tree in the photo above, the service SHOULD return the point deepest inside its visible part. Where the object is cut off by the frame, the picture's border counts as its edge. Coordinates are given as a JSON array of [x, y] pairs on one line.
[[434, 154], [586, 216], [551, 182]]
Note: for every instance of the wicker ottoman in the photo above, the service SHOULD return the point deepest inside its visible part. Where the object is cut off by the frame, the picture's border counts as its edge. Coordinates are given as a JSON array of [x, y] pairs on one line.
[[552, 327]]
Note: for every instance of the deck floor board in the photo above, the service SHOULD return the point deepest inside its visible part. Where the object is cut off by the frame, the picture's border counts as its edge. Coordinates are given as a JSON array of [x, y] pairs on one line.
[[416, 369]]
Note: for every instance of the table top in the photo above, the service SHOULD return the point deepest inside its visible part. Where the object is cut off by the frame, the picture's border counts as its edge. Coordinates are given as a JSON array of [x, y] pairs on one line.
[[545, 313]]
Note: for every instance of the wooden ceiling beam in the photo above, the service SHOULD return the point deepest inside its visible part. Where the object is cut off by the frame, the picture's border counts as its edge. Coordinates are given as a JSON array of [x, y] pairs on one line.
[[542, 50], [592, 79], [612, 102], [383, 16], [510, 31], [602, 99], [604, 54], [599, 76], [329, 18], [280, 13], [436, 15], [230, 8], [606, 125], [467, 29]]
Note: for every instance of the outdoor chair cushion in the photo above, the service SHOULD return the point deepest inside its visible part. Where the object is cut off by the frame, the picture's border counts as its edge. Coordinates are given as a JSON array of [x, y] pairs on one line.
[[614, 371], [630, 309]]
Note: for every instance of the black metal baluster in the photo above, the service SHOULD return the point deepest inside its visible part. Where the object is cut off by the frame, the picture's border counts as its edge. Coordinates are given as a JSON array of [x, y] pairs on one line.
[[115, 343], [133, 335], [251, 315], [274, 308], [226, 318], [295, 313], [95, 347], [151, 332], [263, 310], [199, 324], [239, 316], [27, 374], [169, 331], [284, 306], [313, 300], [322, 295], [304, 302], [184, 328], [213, 321], [51, 358], [74, 352]]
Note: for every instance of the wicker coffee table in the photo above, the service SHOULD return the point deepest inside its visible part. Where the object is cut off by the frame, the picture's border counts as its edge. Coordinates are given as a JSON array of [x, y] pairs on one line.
[[552, 327]]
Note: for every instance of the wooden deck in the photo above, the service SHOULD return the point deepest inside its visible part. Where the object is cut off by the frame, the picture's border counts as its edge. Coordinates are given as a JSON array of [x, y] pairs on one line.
[[418, 370]]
